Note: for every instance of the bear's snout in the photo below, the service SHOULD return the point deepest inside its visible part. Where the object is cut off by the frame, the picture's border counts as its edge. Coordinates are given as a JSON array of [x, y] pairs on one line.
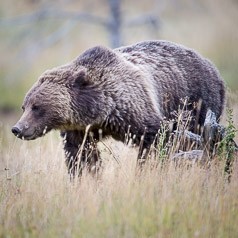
[[16, 131], [23, 131]]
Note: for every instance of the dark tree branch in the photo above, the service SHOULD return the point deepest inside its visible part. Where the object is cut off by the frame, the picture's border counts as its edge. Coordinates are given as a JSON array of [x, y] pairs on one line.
[[113, 24], [45, 14]]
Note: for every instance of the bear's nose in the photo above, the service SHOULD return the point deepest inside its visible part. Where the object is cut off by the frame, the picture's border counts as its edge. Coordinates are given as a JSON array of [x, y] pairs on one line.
[[16, 131]]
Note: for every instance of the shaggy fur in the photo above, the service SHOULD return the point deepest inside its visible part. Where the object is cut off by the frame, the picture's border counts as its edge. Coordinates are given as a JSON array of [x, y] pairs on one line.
[[138, 85]]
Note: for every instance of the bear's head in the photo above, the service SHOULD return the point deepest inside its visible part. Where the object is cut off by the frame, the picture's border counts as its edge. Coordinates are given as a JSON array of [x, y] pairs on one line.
[[49, 103]]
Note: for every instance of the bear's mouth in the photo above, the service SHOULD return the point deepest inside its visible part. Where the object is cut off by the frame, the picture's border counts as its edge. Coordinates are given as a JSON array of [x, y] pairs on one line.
[[31, 136], [27, 137]]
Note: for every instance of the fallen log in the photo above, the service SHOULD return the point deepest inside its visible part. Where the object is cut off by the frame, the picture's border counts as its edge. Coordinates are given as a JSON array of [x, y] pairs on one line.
[[206, 143], [193, 155]]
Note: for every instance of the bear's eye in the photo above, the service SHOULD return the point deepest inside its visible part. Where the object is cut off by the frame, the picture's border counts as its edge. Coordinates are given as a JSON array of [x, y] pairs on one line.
[[23, 108], [35, 108]]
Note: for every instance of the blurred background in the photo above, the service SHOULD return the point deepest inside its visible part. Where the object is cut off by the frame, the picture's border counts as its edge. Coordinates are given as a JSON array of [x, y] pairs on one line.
[[37, 34]]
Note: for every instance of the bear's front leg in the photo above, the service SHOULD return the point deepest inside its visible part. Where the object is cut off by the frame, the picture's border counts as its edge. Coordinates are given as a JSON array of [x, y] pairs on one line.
[[77, 157]]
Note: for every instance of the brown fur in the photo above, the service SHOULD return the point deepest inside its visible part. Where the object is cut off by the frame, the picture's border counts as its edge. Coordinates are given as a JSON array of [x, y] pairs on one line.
[[137, 85]]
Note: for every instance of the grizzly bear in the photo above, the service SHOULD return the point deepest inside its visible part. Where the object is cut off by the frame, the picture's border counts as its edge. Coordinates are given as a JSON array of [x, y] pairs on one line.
[[136, 87]]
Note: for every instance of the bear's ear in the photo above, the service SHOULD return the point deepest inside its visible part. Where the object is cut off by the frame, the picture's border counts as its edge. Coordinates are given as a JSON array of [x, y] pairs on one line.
[[79, 79]]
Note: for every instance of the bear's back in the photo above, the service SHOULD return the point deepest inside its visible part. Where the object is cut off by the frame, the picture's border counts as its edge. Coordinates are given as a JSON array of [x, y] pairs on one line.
[[178, 72]]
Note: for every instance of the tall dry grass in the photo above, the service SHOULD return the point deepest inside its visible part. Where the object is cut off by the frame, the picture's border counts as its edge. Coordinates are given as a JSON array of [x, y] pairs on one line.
[[37, 198]]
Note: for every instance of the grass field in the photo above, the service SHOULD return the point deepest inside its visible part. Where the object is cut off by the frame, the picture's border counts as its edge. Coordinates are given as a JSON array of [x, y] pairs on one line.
[[37, 198]]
